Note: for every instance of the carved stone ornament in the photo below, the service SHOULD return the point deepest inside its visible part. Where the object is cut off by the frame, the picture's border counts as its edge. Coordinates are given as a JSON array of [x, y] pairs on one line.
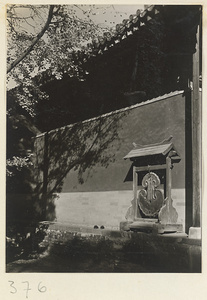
[[150, 200], [130, 211], [168, 214]]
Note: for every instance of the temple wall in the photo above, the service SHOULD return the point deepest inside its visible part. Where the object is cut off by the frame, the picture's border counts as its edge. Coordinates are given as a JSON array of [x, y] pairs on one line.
[[146, 123], [104, 192], [84, 164]]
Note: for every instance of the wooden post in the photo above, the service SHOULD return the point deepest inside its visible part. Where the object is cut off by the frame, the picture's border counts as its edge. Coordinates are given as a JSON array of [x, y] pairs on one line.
[[188, 161], [196, 138], [45, 177], [135, 180], [168, 184]]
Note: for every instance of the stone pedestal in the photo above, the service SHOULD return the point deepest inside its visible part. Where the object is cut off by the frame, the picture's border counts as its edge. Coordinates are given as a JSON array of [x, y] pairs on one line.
[[194, 233], [125, 225], [153, 227]]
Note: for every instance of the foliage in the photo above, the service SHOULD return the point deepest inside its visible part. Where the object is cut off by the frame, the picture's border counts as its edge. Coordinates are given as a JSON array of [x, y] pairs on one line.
[[24, 241], [40, 38], [66, 29], [18, 163], [20, 129]]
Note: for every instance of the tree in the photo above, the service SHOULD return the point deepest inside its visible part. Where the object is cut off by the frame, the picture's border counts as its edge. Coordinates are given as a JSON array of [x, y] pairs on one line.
[[11, 20], [41, 39], [67, 28]]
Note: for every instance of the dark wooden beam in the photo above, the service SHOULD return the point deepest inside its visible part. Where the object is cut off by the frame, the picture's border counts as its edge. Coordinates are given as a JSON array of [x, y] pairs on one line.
[[45, 177], [196, 138]]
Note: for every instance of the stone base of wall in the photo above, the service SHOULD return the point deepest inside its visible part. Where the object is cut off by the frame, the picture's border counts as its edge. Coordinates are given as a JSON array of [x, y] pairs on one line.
[[106, 209]]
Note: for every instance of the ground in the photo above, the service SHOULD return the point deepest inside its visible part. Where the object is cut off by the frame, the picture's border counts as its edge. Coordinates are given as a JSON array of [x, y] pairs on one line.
[[111, 252]]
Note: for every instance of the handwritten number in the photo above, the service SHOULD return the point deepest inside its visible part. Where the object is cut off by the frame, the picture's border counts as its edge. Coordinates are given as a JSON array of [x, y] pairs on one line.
[[27, 289], [12, 286], [42, 289]]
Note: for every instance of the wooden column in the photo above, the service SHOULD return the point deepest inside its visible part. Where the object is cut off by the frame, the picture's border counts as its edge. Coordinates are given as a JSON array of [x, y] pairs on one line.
[[45, 177], [196, 139], [168, 185], [188, 161], [135, 180]]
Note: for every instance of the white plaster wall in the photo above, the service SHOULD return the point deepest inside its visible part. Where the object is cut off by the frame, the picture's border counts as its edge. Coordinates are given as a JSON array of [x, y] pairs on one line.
[[104, 208]]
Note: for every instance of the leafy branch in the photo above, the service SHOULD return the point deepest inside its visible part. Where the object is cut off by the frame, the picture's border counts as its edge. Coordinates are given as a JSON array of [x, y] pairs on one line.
[[34, 41]]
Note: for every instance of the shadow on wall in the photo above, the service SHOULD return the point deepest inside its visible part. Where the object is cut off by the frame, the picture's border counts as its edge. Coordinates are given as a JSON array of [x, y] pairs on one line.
[[75, 147]]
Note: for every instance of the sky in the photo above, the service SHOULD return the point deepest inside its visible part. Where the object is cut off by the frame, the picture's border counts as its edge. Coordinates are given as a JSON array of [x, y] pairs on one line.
[[109, 15], [114, 14]]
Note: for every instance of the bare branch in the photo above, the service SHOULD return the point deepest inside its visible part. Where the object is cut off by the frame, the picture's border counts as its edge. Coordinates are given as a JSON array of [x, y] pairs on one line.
[[34, 42], [57, 10]]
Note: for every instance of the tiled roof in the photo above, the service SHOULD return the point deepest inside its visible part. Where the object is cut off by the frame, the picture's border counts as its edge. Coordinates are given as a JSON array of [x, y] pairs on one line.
[[123, 30], [127, 28], [152, 150]]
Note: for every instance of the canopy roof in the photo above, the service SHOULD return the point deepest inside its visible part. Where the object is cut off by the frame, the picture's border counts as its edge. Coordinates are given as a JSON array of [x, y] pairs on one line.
[[151, 150]]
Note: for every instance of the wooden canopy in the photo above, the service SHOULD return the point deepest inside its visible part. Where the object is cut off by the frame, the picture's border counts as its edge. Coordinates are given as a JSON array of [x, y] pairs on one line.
[[150, 150]]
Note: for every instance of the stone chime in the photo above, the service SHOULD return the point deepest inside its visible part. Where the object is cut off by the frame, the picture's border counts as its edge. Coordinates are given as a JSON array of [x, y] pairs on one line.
[[152, 206]]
